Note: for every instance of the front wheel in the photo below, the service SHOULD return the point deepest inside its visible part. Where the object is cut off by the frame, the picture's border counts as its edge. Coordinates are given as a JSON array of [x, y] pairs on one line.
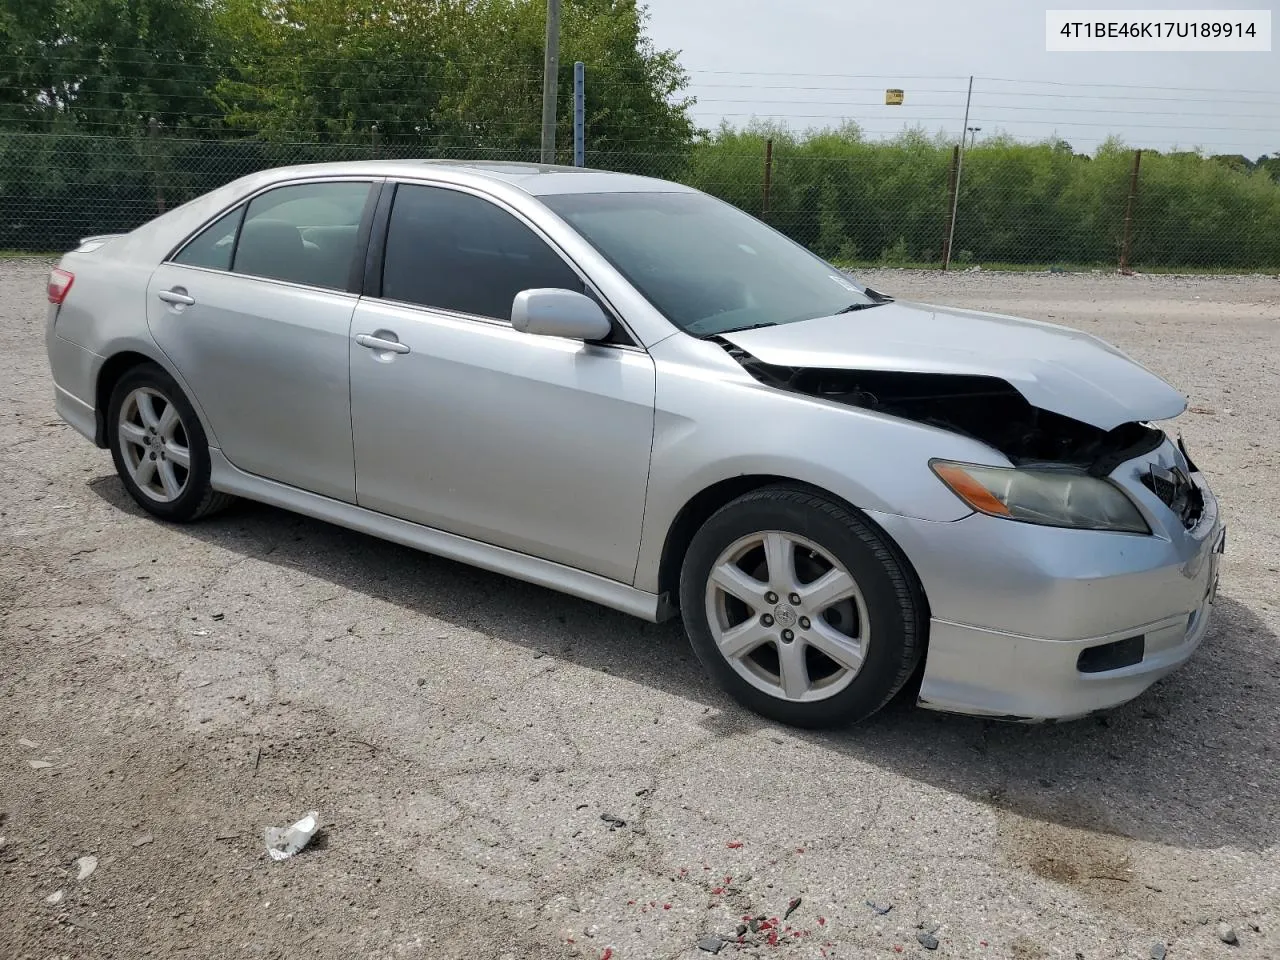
[[159, 446], [800, 609]]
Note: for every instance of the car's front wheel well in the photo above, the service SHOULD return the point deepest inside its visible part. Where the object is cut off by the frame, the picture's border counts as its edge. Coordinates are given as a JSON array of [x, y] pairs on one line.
[[115, 368], [692, 516], [698, 510]]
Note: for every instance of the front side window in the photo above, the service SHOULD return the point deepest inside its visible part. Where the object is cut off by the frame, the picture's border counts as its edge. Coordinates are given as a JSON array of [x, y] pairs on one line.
[[707, 266], [456, 251], [305, 233]]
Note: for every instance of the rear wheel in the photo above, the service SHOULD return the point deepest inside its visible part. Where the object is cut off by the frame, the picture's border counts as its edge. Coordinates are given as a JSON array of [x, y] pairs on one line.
[[800, 609], [159, 446]]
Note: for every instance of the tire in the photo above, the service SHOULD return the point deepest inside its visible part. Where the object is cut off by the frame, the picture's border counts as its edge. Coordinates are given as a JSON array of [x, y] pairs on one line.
[[845, 660], [150, 419]]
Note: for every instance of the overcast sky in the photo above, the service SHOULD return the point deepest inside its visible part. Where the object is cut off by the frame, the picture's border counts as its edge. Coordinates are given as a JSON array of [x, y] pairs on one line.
[[816, 62]]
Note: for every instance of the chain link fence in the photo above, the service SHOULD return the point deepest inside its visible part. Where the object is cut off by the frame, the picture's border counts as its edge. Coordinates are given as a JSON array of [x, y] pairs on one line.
[[852, 200]]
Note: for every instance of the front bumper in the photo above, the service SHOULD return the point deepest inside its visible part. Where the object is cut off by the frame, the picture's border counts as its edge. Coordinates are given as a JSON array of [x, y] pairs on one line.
[[1014, 605]]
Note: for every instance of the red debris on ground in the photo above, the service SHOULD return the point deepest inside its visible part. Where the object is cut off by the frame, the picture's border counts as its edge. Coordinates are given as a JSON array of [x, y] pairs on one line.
[[799, 849], [717, 890], [608, 953], [666, 906], [822, 921], [734, 844]]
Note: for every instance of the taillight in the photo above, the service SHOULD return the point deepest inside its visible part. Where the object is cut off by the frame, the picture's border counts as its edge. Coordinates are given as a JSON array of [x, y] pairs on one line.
[[60, 285]]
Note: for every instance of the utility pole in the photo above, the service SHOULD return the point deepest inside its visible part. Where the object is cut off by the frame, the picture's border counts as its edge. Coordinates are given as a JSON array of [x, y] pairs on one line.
[[975, 131], [550, 70], [955, 197]]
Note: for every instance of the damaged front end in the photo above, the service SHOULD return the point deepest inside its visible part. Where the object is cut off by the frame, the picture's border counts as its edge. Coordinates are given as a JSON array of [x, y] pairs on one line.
[[987, 409]]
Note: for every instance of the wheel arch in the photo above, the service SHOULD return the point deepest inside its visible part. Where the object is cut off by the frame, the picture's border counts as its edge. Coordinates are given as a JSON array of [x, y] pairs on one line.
[[707, 501], [116, 366]]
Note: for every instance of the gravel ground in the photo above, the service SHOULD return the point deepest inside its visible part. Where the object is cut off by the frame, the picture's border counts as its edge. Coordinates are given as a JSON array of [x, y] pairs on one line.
[[463, 735]]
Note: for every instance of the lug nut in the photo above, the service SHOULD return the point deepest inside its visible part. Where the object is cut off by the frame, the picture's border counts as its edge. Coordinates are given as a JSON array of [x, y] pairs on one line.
[[771, 597], [787, 636], [767, 620], [804, 623], [795, 599], [153, 454]]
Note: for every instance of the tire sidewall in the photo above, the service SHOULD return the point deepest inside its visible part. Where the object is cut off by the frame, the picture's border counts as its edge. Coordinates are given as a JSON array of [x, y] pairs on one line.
[[156, 378], [838, 533]]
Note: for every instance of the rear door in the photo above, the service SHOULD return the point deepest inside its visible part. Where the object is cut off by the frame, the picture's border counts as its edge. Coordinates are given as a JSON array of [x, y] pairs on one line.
[[255, 312], [537, 444]]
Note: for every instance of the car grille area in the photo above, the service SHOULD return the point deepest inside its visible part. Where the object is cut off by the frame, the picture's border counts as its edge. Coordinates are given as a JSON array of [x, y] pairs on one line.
[[1178, 492]]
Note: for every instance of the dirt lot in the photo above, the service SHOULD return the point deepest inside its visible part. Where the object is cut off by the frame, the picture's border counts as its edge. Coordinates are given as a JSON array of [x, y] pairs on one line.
[[180, 689]]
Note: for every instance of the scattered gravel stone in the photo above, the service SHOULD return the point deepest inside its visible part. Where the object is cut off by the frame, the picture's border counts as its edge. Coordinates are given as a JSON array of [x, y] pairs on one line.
[[613, 822], [87, 865], [24, 742], [791, 908], [741, 931], [879, 909], [1227, 934], [55, 897], [1158, 950], [711, 944], [39, 764], [142, 840], [927, 940]]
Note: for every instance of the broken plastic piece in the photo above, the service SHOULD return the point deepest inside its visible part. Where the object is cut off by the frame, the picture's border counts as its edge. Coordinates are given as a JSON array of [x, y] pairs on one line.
[[284, 842]]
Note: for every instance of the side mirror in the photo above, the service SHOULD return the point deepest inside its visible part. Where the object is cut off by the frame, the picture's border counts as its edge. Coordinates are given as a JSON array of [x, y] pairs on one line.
[[548, 312]]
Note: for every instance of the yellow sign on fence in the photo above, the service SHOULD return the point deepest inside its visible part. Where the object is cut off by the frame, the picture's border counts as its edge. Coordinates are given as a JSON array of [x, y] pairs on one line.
[[893, 98]]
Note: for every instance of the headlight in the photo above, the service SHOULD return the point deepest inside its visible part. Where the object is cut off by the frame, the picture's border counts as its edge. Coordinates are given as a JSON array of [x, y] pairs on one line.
[[1049, 497]]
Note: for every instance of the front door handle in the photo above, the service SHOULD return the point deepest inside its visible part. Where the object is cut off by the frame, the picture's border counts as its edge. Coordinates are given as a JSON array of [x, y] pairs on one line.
[[377, 343], [176, 296]]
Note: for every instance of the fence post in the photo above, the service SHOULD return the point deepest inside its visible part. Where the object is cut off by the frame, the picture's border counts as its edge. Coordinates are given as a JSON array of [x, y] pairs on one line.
[[768, 176], [579, 114], [951, 207], [153, 137], [375, 135], [1126, 245]]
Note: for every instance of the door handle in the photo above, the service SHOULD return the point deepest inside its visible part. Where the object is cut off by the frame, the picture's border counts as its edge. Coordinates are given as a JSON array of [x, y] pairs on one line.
[[176, 296], [377, 343]]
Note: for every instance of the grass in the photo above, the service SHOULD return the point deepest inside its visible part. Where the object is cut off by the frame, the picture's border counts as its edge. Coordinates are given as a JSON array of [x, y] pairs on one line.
[[855, 265], [6, 254]]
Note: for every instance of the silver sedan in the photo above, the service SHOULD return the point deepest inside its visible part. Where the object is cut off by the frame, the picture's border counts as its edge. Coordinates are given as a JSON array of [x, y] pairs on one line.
[[628, 391]]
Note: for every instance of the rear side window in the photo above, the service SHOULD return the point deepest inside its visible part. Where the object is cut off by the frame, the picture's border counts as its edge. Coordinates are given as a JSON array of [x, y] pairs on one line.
[[213, 246], [304, 234], [455, 251]]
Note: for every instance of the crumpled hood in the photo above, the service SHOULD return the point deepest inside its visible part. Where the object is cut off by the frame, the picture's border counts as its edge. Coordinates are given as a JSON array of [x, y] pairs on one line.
[[1055, 368]]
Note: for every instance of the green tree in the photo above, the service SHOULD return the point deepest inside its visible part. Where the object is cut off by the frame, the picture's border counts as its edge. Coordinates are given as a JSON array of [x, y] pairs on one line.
[[107, 65]]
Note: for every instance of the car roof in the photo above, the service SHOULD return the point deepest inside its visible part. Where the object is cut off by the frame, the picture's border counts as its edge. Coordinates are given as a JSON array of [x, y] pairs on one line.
[[535, 179]]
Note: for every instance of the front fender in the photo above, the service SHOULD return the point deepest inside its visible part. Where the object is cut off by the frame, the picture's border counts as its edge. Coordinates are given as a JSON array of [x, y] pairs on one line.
[[714, 422]]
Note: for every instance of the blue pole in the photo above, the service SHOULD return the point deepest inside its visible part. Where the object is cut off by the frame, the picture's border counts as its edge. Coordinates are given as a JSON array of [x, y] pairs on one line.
[[579, 118]]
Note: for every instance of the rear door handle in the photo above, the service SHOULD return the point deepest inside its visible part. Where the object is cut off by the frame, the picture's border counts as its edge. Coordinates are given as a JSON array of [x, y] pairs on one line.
[[377, 343], [176, 296]]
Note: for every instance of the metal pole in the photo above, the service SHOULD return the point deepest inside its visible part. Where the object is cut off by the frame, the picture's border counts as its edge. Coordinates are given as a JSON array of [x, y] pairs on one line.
[[579, 114], [768, 176], [1128, 215], [550, 69], [955, 197], [951, 205], [153, 132]]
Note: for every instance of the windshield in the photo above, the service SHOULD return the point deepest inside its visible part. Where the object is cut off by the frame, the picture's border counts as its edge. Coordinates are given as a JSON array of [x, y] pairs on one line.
[[707, 266]]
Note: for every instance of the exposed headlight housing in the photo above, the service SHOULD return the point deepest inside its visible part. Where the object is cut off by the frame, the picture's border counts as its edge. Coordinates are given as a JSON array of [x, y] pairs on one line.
[[1052, 498]]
